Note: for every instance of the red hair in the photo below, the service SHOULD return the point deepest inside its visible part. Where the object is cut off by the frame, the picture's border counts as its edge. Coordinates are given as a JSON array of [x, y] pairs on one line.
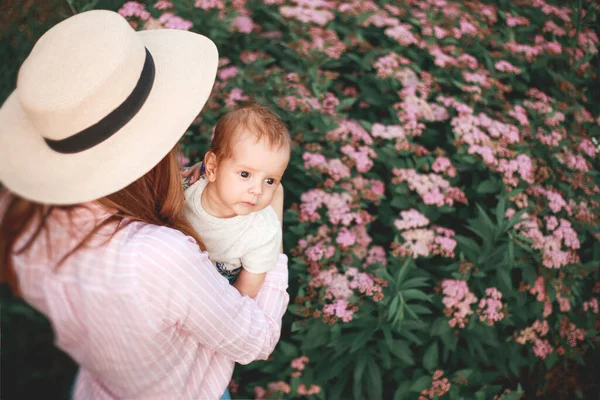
[[156, 198], [255, 119]]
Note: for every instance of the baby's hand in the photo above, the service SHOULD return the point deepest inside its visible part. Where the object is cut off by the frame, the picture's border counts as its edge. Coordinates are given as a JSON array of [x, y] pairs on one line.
[[192, 173]]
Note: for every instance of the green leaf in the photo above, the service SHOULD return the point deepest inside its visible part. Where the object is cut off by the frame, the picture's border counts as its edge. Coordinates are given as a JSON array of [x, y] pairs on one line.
[[374, 381], [421, 384], [401, 390], [359, 369], [402, 351], [487, 187], [361, 339], [440, 326], [411, 336], [400, 202], [504, 277], [500, 210], [414, 283], [403, 270], [430, 358], [288, 349], [415, 294], [464, 373], [485, 218], [468, 244]]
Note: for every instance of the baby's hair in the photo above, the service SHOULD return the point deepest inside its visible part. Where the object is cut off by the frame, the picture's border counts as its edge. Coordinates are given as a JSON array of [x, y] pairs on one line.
[[255, 119]]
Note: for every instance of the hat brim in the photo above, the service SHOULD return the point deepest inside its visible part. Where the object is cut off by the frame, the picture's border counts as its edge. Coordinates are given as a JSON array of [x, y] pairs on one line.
[[186, 65]]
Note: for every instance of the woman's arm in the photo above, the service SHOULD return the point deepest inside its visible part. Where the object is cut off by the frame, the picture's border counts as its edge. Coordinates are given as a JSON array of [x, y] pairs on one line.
[[182, 288]]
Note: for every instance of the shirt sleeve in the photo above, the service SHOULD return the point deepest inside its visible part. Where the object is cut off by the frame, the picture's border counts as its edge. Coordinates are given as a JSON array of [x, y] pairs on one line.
[[262, 258], [182, 289]]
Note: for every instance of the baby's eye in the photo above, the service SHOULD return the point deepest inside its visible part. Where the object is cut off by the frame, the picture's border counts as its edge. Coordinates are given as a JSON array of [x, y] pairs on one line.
[[270, 181], [244, 174]]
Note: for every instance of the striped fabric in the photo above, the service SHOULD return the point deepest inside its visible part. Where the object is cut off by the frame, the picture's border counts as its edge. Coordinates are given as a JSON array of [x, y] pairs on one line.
[[146, 315]]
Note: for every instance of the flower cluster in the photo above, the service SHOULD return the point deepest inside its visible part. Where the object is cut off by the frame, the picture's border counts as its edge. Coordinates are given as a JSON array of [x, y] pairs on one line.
[[419, 241], [534, 335], [490, 308], [439, 387], [457, 300]]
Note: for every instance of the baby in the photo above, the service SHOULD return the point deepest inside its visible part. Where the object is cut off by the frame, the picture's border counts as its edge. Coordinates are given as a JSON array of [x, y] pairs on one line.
[[230, 205]]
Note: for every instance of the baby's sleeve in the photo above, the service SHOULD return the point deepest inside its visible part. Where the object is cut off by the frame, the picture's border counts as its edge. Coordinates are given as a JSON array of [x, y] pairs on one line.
[[264, 244]]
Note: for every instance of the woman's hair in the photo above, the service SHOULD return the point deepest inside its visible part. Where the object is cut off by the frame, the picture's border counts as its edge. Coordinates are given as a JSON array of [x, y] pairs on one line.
[[255, 119], [155, 198]]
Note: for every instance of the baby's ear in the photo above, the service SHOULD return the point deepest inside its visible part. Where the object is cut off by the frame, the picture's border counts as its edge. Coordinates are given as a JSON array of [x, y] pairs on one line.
[[210, 166]]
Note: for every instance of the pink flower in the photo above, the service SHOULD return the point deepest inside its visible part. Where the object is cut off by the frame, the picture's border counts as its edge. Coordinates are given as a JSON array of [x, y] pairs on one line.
[[402, 34], [388, 132], [591, 305], [236, 95], [314, 389], [209, 4], [330, 103], [443, 165], [259, 393], [542, 348], [387, 65], [249, 57], [458, 298], [505, 66], [307, 13], [539, 288], [564, 304], [553, 47], [350, 130], [411, 219], [163, 4], [171, 21], [345, 238], [228, 73], [299, 363], [315, 253], [279, 386], [376, 254], [520, 114], [134, 9], [516, 20], [433, 188], [340, 309], [587, 147], [243, 24], [362, 156], [550, 26]]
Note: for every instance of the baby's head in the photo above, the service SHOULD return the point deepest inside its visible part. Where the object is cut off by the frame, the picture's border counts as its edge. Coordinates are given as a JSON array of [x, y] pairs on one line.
[[249, 153]]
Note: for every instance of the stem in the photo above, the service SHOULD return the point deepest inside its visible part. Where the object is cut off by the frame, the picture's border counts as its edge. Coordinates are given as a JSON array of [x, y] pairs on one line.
[[70, 3]]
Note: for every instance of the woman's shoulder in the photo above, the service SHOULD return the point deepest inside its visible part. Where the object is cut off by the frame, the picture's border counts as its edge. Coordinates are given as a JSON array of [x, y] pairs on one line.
[[154, 238]]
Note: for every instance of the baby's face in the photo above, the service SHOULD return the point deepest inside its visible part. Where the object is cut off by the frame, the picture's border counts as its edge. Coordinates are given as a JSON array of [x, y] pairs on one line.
[[246, 181]]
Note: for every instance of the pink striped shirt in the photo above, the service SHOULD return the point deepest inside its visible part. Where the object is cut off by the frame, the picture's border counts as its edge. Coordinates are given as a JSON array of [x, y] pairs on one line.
[[146, 315]]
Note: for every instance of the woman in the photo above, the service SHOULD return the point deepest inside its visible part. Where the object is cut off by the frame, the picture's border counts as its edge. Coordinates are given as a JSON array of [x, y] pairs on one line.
[[91, 227]]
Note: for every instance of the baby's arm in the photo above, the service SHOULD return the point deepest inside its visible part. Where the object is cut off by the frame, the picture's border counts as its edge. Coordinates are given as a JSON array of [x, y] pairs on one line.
[[248, 283]]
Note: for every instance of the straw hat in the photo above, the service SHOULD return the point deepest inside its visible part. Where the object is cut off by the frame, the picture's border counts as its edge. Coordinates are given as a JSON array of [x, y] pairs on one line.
[[97, 105]]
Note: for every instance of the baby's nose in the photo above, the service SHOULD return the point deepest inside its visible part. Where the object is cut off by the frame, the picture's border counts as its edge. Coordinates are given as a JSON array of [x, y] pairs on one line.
[[256, 189]]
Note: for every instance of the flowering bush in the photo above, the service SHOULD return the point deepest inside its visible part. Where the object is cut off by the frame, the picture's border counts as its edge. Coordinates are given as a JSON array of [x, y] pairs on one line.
[[443, 193]]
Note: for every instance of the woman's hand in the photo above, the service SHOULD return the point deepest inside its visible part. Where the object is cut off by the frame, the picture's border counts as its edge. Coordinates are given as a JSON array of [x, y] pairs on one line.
[[192, 174]]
